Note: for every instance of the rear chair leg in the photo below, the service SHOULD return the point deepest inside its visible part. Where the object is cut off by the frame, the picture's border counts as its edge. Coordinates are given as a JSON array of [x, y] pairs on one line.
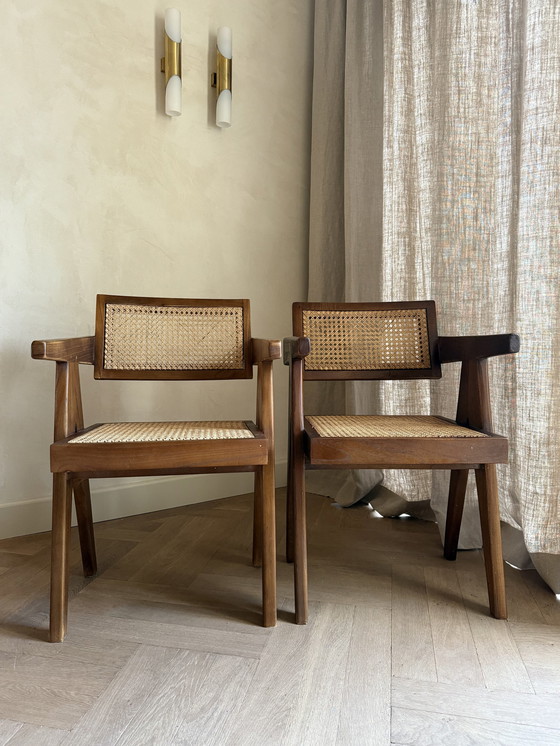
[[487, 488], [82, 500], [457, 489], [60, 553]]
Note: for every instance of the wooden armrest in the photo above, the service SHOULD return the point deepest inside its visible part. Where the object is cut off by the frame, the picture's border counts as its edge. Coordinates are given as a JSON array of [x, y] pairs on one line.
[[455, 349], [265, 350], [76, 350], [296, 348]]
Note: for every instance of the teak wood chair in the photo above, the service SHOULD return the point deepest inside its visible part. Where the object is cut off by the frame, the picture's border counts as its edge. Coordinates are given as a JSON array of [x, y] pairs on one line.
[[158, 339], [377, 341]]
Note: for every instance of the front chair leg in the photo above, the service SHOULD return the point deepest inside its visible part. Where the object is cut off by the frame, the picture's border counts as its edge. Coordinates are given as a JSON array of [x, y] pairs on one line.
[[487, 488], [60, 554], [290, 514], [258, 519], [457, 489], [82, 500], [300, 540], [268, 544]]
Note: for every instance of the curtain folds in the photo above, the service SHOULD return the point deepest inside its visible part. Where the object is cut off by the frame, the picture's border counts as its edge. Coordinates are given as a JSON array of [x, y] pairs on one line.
[[435, 174]]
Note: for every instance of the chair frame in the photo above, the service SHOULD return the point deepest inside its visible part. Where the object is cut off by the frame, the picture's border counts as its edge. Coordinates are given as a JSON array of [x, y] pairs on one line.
[[71, 473], [308, 451]]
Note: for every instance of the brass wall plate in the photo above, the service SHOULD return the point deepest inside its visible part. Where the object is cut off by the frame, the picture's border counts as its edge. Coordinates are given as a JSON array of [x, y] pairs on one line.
[[171, 63], [223, 74]]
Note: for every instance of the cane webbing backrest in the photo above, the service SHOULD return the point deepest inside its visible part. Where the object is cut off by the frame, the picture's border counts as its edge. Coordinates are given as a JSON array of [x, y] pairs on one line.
[[369, 340], [171, 338]]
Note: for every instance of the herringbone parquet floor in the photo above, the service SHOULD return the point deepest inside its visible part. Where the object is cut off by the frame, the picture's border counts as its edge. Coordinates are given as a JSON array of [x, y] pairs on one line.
[[164, 645]]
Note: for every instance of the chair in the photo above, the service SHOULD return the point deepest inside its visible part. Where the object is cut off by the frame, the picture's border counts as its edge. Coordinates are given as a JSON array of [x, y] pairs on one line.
[[158, 339], [377, 341]]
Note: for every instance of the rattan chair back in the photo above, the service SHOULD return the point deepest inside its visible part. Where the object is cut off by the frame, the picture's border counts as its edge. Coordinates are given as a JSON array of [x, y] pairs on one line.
[[369, 340], [171, 338]]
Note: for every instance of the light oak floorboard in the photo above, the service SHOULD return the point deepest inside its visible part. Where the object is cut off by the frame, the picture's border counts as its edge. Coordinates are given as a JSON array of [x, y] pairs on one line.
[[546, 601], [8, 729], [454, 648], [198, 700], [193, 547], [164, 644], [296, 692], [163, 634], [522, 605], [30, 735], [314, 719], [539, 646], [501, 663], [142, 554], [465, 701], [413, 728], [413, 647], [127, 696], [365, 712]]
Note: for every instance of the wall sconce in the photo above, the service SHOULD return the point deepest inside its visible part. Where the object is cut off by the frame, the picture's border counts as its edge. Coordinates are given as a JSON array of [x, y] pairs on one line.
[[221, 80], [171, 63]]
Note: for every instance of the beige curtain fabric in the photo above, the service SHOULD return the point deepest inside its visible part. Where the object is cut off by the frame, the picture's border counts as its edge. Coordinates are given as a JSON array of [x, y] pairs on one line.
[[436, 174]]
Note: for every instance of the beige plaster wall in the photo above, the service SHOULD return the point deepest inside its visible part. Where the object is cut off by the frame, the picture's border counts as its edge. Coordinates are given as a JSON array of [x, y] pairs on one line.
[[101, 192]]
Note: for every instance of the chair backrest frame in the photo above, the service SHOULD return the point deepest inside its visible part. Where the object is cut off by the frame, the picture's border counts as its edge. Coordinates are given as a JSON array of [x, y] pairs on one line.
[[414, 319], [183, 319]]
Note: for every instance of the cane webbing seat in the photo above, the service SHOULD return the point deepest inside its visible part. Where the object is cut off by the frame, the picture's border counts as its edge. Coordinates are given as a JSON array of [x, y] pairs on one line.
[[155, 432], [389, 426], [383, 341], [159, 339]]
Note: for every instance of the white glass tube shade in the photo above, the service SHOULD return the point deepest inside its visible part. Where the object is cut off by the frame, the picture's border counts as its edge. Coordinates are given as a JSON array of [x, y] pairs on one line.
[[224, 41], [173, 89], [223, 109], [223, 104], [173, 24], [173, 96]]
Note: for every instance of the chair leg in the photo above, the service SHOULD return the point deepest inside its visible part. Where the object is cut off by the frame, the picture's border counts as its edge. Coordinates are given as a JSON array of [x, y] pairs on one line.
[[258, 519], [60, 553], [487, 488], [300, 540], [82, 500], [268, 544], [457, 489], [290, 513]]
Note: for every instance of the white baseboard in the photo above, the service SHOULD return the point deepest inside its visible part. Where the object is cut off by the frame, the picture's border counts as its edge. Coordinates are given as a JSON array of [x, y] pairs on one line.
[[119, 498]]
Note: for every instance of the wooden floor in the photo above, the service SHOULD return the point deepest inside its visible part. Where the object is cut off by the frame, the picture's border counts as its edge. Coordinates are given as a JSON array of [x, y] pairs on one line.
[[164, 645]]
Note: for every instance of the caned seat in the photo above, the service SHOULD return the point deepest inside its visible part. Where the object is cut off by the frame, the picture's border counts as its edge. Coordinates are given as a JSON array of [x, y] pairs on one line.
[[162, 432], [381, 341], [394, 426], [159, 339], [152, 444]]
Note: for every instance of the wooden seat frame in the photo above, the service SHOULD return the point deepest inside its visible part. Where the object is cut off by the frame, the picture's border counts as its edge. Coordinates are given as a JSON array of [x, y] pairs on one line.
[[74, 465], [308, 450]]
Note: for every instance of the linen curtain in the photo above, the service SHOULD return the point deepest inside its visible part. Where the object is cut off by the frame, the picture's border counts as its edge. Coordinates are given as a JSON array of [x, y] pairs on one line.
[[436, 174]]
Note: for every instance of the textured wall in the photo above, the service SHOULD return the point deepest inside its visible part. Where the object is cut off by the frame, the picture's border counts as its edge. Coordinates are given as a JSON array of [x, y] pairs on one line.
[[101, 192]]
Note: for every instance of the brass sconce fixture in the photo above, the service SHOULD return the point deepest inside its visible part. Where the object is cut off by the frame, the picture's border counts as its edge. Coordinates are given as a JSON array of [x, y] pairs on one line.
[[221, 80], [171, 63]]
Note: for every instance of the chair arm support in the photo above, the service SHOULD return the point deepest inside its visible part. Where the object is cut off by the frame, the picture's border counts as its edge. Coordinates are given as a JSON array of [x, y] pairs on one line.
[[456, 349], [265, 350], [295, 348], [75, 350]]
